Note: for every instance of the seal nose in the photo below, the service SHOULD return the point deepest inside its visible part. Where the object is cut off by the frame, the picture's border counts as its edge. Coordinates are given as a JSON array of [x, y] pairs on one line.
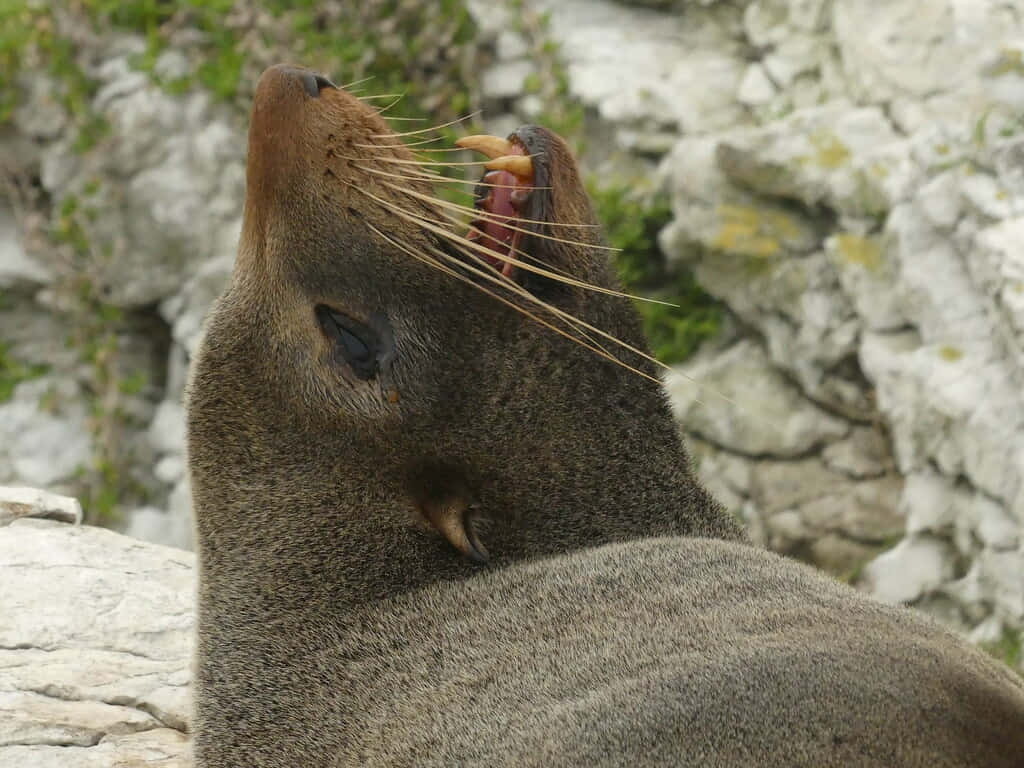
[[312, 82]]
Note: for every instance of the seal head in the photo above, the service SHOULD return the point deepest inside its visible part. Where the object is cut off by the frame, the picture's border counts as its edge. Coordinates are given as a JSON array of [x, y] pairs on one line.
[[426, 383]]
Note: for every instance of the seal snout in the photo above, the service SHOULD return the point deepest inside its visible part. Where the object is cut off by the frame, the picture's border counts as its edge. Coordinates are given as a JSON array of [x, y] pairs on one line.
[[282, 79], [312, 82]]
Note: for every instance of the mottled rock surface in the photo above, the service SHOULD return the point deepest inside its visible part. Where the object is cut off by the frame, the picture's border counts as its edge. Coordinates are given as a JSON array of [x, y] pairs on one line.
[[95, 645]]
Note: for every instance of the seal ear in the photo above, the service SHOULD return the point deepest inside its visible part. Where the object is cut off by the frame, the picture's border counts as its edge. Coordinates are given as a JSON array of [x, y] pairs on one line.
[[452, 517]]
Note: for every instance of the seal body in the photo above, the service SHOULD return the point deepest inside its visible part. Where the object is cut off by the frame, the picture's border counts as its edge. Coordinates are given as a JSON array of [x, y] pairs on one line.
[[437, 525]]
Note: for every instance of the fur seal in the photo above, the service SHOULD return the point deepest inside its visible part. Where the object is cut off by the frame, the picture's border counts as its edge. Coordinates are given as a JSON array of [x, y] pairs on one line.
[[438, 525]]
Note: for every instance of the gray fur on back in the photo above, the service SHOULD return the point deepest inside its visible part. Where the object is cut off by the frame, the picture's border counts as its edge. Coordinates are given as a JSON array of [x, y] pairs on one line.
[[662, 652]]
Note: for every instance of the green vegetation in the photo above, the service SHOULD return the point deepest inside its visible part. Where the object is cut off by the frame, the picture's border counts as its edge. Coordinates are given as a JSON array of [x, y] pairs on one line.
[[1007, 649], [409, 49], [387, 39], [13, 372], [97, 332], [674, 332], [29, 38], [559, 111]]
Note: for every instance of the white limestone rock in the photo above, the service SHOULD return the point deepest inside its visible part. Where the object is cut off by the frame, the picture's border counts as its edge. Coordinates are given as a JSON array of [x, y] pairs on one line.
[[44, 433], [867, 275], [931, 503], [939, 200], [505, 80], [726, 475], [993, 525], [826, 503], [167, 430], [1002, 577], [95, 648], [997, 268], [846, 157], [950, 405], [170, 180], [18, 502], [634, 65], [793, 56], [741, 403], [916, 48], [40, 114], [16, 266], [187, 309], [756, 87], [865, 453], [915, 567]]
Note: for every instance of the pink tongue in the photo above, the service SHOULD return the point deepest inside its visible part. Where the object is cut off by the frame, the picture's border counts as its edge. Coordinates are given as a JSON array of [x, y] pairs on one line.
[[498, 236]]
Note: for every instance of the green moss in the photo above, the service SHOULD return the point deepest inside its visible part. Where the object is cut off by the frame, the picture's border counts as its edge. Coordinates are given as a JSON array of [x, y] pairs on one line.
[[104, 488], [133, 383], [96, 332], [29, 37], [375, 38], [1007, 649], [674, 332], [13, 372], [980, 128], [49, 401], [1009, 62]]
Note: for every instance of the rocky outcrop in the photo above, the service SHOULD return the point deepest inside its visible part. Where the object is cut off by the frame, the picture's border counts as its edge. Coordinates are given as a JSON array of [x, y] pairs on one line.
[[95, 644], [866, 241]]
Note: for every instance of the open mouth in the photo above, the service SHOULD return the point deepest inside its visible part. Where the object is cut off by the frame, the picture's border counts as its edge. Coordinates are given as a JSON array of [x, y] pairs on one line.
[[502, 195]]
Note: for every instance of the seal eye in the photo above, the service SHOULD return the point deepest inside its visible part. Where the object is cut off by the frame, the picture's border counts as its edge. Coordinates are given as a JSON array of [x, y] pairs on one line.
[[358, 345]]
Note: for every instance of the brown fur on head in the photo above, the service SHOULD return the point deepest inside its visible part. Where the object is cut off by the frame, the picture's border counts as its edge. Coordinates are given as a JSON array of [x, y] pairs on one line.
[[433, 403]]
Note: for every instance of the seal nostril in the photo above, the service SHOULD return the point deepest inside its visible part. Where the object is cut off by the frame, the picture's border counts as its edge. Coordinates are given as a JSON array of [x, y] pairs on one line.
[[323, 82], [313, 83], [310, 84]]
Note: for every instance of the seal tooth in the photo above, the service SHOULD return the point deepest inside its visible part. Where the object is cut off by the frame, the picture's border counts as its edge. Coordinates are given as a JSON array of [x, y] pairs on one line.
[[489, 146], [520, 166], [518, 198]]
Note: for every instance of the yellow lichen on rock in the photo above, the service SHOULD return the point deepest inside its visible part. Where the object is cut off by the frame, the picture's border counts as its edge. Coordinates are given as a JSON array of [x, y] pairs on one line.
[[855, 249], [830, 152], [753, 231]]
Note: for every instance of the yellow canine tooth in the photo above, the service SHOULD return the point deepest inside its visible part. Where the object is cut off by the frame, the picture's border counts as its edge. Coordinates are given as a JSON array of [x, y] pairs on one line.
[[490, 146], [520, 166]]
